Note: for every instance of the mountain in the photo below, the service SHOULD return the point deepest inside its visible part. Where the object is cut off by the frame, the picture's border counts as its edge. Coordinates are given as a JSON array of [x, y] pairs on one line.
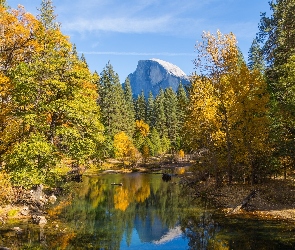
[[154, 74]]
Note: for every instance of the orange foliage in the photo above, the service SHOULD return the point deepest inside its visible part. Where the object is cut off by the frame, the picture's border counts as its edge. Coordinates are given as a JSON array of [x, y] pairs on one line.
[[17, 40]]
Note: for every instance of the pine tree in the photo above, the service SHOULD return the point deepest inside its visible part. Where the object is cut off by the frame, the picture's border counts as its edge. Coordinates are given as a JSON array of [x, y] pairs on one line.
[[255, 57], [74, 51], [277, 34], [150, 116], [140, 107], [111, 101], [182, 105], [160, 116], [130, 110], [83, 60], [170, 107]]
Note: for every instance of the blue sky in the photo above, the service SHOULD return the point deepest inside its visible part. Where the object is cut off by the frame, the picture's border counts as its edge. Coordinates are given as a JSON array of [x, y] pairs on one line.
[[126, 31]]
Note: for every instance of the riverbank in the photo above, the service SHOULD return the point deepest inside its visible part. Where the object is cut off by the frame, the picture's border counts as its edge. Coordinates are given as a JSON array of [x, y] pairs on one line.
[[274, 199]]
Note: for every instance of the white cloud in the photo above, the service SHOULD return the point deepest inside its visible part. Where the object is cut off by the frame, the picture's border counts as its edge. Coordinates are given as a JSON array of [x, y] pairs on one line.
[[122, 25], [134, 16]]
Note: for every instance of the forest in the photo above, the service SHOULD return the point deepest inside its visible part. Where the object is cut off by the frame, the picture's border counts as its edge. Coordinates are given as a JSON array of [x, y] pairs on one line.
[[236, 117]]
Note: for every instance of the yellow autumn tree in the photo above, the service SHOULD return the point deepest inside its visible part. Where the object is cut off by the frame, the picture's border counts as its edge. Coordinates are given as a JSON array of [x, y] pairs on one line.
[[227, 102], [18, 43], [124, 147]]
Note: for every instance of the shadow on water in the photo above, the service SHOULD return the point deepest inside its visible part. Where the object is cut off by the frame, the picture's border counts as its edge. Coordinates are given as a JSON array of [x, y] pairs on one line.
[[143, 212]]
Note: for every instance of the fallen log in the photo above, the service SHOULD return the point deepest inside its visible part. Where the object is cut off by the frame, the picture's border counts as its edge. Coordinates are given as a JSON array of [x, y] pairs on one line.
[[117, 184], [245, 201]]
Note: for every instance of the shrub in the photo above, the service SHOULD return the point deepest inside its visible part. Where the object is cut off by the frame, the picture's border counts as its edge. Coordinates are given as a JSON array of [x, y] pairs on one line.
[[6, 191]]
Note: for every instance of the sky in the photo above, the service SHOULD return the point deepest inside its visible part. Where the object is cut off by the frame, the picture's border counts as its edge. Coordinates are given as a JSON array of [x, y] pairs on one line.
[[126, 31]]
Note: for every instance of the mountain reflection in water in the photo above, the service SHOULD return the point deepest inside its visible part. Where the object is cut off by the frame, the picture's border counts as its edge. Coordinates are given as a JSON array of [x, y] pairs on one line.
[[143, 213]]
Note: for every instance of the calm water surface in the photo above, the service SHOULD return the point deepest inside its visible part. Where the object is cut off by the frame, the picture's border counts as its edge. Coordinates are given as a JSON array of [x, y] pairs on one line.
[[144, 213]]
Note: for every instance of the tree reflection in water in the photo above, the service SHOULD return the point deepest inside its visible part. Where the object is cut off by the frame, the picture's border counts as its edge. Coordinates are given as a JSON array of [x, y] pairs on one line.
[[200, 231], [144, 211]]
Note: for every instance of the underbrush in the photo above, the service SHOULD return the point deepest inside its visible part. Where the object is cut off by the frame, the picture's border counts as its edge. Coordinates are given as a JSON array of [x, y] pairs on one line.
[[6, 190]]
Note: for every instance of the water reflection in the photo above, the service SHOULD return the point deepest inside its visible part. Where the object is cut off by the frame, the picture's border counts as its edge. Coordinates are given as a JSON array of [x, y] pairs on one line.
[[144, 212], [102, 215]]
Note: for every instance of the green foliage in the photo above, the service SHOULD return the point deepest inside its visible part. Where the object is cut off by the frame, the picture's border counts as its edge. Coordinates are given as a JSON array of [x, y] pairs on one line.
[[51, 117], [30, 160], [150, 115], [159, 113], [140, 107], [277, 35], [255, 57], [130, 110], [172, 121], [112, 103]]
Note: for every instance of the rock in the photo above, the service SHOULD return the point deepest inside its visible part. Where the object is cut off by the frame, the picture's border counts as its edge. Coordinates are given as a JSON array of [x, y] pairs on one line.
[[25, 211], [155, 74], [38, 219], [52, 199], [37, 196], [166, 177], [18, 230]]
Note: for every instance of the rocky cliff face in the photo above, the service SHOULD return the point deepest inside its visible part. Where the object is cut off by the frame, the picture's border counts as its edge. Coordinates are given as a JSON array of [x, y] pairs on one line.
[[154, 74]]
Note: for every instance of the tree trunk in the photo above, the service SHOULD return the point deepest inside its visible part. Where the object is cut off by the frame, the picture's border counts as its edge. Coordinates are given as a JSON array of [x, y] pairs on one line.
[[245, 201]]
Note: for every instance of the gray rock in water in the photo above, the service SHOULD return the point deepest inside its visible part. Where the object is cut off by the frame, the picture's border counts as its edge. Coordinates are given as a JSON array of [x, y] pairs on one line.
[[155, 74]]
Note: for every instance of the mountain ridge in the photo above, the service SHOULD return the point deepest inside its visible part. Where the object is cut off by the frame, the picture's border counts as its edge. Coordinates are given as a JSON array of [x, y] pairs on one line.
[[155, 74]]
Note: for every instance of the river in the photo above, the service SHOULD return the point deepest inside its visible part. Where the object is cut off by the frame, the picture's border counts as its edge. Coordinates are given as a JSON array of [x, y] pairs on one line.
[[143, 212]]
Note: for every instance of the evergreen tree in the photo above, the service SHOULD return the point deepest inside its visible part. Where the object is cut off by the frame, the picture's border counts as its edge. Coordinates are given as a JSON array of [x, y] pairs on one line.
[[74, 51], [140, 107], [170, 107], [154, 142], [182, 104], [130, 110], [83, 60], [277, 33], [47, 16], [255, 57], [159, 113], [150, 110], [111, 101]]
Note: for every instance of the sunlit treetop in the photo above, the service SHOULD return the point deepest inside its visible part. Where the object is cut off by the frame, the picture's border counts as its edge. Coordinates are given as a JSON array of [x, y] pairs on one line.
[[47, 16]]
